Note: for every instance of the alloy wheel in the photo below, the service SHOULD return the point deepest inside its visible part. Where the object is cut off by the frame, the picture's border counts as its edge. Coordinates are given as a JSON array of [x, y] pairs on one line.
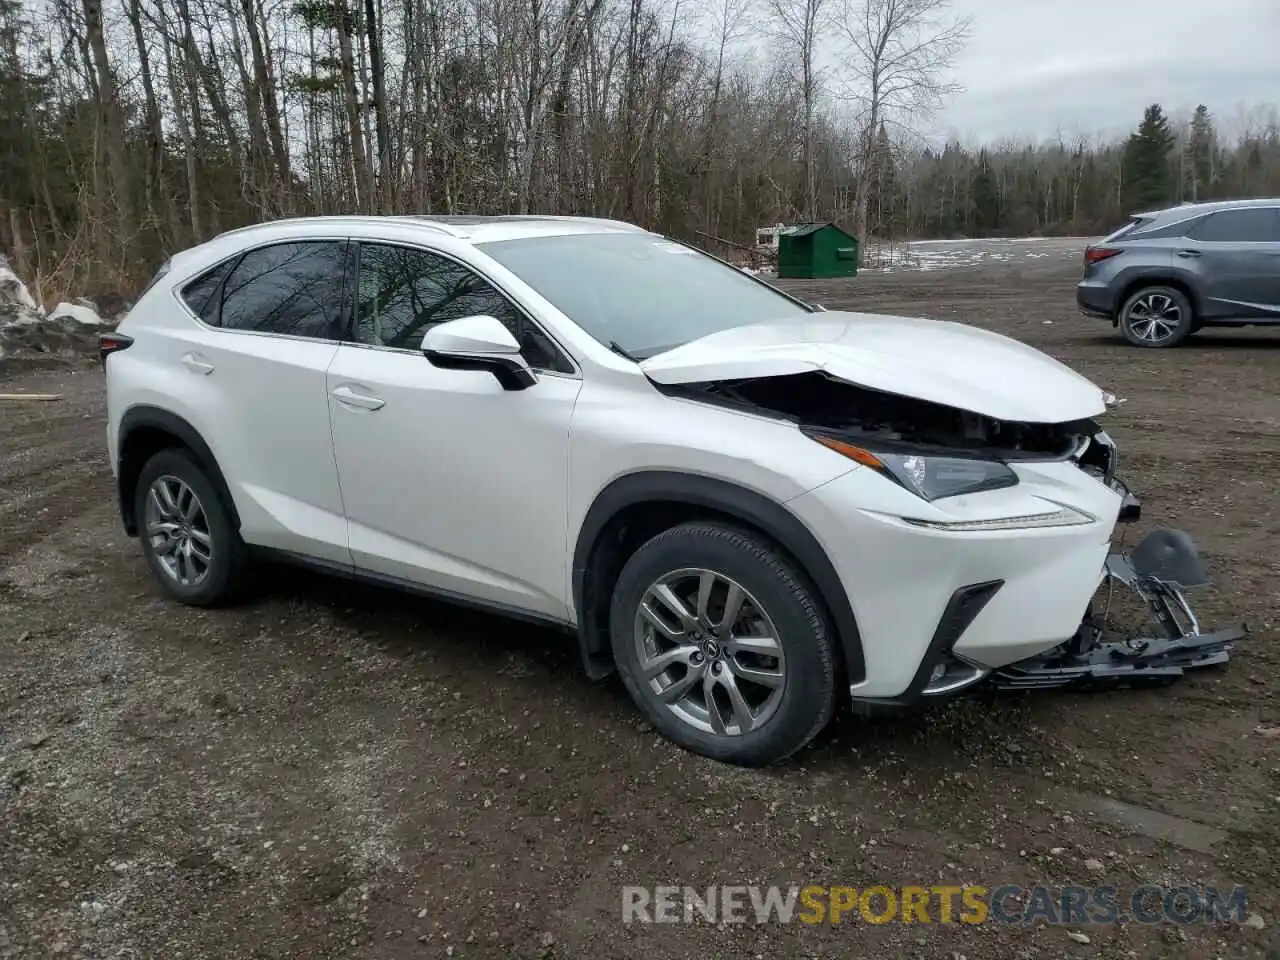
[[1154, 318], [177, 529], [709, 653]]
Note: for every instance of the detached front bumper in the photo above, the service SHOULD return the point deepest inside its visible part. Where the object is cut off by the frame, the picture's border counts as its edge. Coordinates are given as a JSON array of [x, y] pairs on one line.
[[1033, 621], [1159, 570], [982, 597]]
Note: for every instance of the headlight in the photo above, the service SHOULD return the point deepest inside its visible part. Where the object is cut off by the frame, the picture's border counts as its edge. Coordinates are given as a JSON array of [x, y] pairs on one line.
[[929, 476]]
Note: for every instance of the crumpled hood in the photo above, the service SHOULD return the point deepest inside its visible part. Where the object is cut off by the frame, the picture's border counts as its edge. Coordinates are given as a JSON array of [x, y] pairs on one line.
[[935, 360]]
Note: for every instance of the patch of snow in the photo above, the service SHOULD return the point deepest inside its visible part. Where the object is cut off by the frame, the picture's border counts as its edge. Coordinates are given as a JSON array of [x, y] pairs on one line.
[[14, 291], [80, 312]]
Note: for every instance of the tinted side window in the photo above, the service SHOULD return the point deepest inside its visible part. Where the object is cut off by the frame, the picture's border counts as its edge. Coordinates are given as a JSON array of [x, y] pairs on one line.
[[1240, 226], [291, 288], [201, 293], [404, 292]]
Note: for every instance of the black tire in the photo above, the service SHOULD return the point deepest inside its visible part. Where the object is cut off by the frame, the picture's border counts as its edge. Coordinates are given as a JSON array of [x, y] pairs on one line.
[[1176, 321], [223, 575], [772, 582]]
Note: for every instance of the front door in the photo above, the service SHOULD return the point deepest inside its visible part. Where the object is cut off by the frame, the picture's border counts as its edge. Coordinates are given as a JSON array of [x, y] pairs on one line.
[[448, 480]]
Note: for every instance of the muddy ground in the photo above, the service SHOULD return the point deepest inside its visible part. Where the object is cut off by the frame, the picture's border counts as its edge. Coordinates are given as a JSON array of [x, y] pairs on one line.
[[340, 771]]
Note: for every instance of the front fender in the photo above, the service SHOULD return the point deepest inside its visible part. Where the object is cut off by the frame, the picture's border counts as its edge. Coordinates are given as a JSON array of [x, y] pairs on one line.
[[712, 495]]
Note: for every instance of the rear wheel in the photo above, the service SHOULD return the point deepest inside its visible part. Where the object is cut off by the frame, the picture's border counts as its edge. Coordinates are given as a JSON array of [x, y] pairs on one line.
[[186, 531], [723, 645], [1157, 317]]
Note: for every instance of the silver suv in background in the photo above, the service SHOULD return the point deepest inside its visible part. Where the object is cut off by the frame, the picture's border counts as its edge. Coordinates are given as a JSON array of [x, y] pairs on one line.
[[1165, 274]]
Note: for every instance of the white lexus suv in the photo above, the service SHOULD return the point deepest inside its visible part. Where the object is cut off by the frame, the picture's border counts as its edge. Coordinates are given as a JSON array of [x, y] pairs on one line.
[[743, 504]]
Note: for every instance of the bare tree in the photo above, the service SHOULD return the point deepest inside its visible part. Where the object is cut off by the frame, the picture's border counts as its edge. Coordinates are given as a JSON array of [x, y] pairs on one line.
[[796, 24], [728, 18], [109, 115], [898, 54]]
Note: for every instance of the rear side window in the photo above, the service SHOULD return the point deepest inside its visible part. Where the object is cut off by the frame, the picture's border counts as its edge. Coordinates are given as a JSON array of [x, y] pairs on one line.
[[1249, 225], [201, 294], [289, 288]]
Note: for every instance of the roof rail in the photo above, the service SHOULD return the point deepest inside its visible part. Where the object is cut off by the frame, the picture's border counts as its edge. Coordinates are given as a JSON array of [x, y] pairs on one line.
[[338, 218]]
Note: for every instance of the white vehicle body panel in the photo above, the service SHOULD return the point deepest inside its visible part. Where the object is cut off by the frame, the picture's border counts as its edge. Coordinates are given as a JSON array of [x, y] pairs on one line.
[[455, 483], [948, 363]]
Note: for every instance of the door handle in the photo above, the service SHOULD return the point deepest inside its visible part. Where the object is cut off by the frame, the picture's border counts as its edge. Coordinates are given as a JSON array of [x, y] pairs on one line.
[[359, 401], [1187, 253], [197, 364]]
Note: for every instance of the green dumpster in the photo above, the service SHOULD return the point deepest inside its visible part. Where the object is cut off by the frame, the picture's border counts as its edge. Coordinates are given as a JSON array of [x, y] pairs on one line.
[[809, 251]]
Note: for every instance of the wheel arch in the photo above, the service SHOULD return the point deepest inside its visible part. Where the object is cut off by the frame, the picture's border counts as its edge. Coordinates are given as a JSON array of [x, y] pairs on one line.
[[145, 431], [1159, 280], [656, 500]]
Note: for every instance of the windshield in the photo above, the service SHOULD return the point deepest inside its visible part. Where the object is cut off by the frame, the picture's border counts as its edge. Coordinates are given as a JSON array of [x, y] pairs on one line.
[[638, 291]]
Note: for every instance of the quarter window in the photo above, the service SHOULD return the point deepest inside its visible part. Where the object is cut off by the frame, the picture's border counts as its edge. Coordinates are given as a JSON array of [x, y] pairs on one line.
[[288, 288], [201, 294], [1248, 225], [404, 292]]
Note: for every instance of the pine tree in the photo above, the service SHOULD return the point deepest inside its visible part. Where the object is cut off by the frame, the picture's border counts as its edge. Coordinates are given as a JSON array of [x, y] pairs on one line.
[[1148, 178], [984, 194], [1200, 150], [882, 188]]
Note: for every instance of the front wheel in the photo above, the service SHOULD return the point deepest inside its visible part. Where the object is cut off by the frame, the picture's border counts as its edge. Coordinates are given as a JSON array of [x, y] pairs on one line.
[[1157, 317], [723, 644]]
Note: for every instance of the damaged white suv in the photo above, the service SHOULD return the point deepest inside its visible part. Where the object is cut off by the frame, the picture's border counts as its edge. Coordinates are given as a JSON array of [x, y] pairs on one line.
[[746, 506]]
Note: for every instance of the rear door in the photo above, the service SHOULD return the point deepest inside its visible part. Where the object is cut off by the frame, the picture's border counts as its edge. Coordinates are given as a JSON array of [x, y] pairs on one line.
[[1238, 255], [254, 368]]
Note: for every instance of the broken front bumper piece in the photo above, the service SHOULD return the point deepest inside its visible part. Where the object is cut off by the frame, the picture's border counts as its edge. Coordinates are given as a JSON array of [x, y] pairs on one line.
[[1159, 570]]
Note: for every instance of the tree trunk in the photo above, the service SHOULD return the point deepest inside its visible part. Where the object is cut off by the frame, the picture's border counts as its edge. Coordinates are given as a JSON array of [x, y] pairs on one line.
[[265, 83], [362, 174], [184, 130], [112, 126], [372, 28], [155, 188]]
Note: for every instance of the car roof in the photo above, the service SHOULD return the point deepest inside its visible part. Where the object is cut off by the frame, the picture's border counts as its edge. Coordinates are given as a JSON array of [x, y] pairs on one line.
[[1187, 210], [476, 229]]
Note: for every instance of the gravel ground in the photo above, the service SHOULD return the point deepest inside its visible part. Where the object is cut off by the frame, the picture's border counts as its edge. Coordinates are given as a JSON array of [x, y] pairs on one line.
[[333, 770]]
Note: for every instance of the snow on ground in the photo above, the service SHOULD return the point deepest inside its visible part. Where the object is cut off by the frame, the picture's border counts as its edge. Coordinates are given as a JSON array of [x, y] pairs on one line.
[[946, 254], [14, 293], [26, 330]]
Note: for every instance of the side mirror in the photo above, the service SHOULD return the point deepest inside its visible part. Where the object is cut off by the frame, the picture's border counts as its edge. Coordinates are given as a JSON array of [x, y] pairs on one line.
[[478, 343]]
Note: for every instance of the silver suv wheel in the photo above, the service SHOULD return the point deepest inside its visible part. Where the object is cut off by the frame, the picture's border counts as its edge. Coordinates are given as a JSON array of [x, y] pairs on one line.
[[709, 652], [178, 530], [1157, 316], [1154, 317]]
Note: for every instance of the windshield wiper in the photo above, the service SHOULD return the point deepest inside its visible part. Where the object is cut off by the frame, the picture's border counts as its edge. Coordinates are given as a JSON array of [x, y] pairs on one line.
[[622, 352]]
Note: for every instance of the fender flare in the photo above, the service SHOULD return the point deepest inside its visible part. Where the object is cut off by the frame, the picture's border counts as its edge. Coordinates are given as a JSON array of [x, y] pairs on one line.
[[771, 518], [155, 418]]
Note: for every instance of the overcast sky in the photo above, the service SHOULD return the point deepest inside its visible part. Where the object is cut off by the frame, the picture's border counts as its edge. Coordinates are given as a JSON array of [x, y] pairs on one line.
[[1033, 67]]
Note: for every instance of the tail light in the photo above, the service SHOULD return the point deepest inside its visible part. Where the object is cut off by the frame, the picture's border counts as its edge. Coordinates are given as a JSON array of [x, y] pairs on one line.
[[109, 343], [1098, 254]]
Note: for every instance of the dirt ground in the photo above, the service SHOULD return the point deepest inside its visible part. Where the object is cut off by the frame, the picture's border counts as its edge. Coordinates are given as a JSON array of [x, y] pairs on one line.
[[340, 771]]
